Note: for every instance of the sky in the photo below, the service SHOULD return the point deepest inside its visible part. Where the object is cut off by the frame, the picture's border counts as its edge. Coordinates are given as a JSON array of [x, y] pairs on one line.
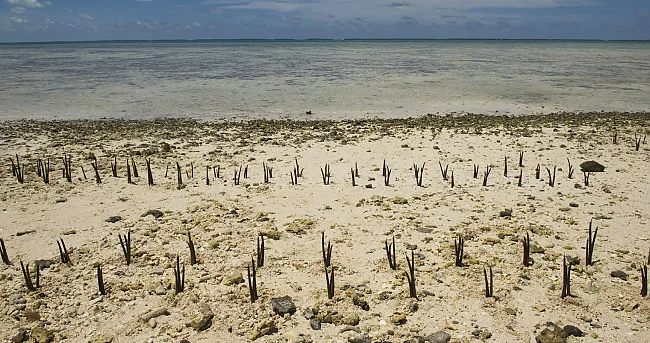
[[70, 20]]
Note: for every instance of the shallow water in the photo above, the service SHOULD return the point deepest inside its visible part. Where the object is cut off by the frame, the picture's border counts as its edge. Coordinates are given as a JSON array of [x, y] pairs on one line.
[[333, 79]]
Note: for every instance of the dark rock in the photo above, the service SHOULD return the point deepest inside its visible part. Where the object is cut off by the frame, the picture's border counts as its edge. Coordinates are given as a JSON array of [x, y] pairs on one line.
[[361, 303], [571, 330], [314, 323], [505, 213], [283, 305], [165, 147], [439, 337], [551, 334], [43, 264], [114, 219], [20, 336], [42, 335], [573, 260], [619, 274], [184, 341], [154, 213], [592, 167]]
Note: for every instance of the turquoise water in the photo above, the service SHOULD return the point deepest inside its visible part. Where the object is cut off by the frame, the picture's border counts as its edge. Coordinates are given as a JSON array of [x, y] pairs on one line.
[[333, 79]]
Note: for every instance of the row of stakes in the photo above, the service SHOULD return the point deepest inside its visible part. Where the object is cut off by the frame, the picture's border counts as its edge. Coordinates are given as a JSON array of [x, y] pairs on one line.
[[459, 245], [43, 171]]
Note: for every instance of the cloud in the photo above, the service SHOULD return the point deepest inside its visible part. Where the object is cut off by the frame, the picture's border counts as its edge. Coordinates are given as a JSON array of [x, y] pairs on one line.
[[400, 4], [216, 10], [18, 20], [24, 3], [85, 16], [18, 9]]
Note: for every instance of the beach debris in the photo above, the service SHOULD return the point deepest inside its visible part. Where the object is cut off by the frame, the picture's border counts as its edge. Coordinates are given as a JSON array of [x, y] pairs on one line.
[[327, 254], [260, 250], [283, 305], [443, 171], [3, 252], [100, 280], [521, 159], [252, 282], [410, 275], [489, 290], [179, 276], [126, 246], [592, 167], [28, 278], [526, 242], [114, 166], [488, 169], [590, 245], [325, 173], [644, 280], [63, 252], [190, 244], [551, 178], [566, 278], [419, 173], [390, 252], [459, 246], [571, 169], [476, 167]]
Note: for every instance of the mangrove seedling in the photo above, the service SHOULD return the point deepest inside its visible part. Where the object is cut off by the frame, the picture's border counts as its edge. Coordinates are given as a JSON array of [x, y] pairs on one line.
[[126, 246], [591, 240], [390, 252], [410, 275]]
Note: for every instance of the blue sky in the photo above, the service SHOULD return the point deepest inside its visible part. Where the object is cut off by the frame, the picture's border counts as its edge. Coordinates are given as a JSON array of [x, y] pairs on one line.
[[49, 20]]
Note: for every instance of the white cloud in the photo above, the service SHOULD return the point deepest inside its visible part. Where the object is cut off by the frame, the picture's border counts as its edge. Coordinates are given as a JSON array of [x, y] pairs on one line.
[[18, 20], [18, 9], [24, 3], [85, 16]]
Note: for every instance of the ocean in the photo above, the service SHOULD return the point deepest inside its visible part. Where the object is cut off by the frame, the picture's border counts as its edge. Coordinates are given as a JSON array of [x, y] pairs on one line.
[[332, 79]]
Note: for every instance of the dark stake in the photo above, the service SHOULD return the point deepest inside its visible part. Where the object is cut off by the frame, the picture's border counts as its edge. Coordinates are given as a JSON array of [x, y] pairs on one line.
[[134, 167], [591, 240], [126, 246], [551, 178], [614, 137], [97, 178], [179, 176], [19, 170], [329, 280], [327, 254], [383, 170], [83, 172], [252, 282], [149, 174], [166, 170], [39, 164], [459, 246], [356, 170], [325, 173], [63, 252], [260, 251], [452, 179], [266, 172], [419, 174], [537, 171], [387, 177], [190, 244], [586, 178], [648, 256], [297, 168], [521, 177], [179, 276], [13, 167], [526, 250], [214, 172], [644, 281], [46, 172], [489, 290], [486, 175], [207, 176], [3, 252], [294, 177], [67, 167], [521, 159], [476, 171], [443, 171], [114, 166], [246, 172], [128, 172], [410, 276], [237, 176], [354, 182], [571, 170], [28, 277], [192, 168], [637, 142], [100, 281], [390, 252], [505, 166], [218, 172], [566, 278]]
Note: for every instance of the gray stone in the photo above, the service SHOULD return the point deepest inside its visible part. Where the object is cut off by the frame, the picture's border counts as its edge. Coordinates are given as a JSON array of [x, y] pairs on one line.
[[359, 338], [42, 335], [571, 330], [619, 274], [283, 305], [314, 323], [20, 336], [154, 213], [439, 337], [114, 219]]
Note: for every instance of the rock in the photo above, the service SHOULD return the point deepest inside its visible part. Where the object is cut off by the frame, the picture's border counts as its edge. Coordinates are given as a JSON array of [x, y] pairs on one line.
[[114, 219], [573, 204], [539, 308], [398, 318], [359, 338], [619, 274], [165, 147], [349, 318], [361, 303], [505, 213], [551, 334], [161, 311], [314, 323], [264, 328], [155, 213], [20, 336], [43, 264], [573, 260], [102, 339], [571, 330], [536, 249], [283, 305], [160, 290], [42, 335], [439, 337], [369, 185], [234, 279], [202, 321], [32, 316], [349, 328], [592, 167], [272, 234], [399, 201]]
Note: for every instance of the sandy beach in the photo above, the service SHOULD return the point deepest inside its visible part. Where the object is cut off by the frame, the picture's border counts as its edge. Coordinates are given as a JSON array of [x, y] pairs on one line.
[[371, 301]]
